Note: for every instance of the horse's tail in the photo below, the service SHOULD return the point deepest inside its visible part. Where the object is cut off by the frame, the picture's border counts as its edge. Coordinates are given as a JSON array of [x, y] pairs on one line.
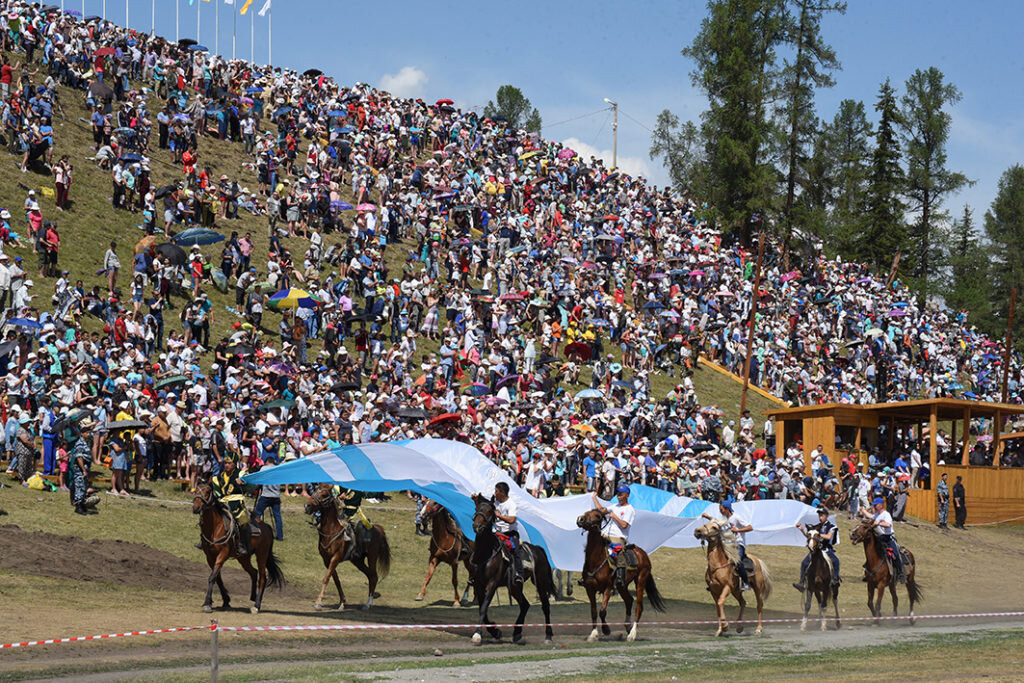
[[914, 589], [275, 577], [384, 554], [543, 575], [653, 595], [766, 577]]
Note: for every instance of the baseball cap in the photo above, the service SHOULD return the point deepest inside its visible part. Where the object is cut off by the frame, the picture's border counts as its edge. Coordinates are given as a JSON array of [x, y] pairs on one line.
[[622, 489]]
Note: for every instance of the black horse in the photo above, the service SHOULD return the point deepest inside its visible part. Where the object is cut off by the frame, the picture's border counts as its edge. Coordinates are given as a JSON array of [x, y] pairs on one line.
[[493, 570]]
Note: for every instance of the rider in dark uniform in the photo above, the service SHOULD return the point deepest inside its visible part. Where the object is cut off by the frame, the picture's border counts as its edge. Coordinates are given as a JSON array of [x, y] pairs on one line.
[[351, 501], [827, 532], [229, 489]]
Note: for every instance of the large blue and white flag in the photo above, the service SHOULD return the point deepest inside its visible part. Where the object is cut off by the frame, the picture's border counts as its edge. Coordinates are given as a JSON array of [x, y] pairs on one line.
[[449, 472]]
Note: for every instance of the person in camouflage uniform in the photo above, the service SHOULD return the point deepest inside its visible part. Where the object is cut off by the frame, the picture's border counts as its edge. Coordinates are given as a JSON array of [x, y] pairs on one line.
[[81, 461]]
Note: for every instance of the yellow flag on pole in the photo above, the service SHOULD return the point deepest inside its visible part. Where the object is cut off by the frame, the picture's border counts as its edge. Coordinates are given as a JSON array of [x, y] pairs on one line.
[[245, 7]]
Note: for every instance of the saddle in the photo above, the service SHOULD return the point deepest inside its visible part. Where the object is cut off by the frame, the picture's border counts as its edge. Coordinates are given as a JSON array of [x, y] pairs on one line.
[[748, 565], [506, 554], [614, 549]]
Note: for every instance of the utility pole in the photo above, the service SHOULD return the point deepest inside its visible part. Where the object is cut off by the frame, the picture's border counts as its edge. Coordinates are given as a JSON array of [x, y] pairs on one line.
[[615, 133], [752, 322], [1009, 343]]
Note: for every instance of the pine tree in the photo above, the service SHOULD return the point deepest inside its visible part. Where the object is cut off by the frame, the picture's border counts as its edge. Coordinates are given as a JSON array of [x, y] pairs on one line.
[[1004, 227], [681, 149], [849, 150], [885, 233], [968, 286]]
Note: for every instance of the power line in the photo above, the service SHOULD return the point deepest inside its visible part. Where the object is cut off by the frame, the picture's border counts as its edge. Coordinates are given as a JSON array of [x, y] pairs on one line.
[[601, 129], [575, 118], [635, 121]]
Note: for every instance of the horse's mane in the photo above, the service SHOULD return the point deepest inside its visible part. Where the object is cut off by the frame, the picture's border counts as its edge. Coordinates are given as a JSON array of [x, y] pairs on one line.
[[729, 544]]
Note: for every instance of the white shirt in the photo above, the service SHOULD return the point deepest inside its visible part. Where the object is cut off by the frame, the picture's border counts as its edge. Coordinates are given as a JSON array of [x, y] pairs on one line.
[[611, 528], [506, 509], [740, 523], [883, 516]]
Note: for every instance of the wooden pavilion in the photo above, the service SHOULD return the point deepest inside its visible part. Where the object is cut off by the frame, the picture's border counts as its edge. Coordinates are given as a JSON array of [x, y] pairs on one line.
[[994, 493]]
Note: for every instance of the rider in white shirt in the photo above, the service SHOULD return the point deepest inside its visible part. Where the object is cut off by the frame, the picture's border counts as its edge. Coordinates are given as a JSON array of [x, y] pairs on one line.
[[739, 527], [506, 522], [618, 521], [884, 530]]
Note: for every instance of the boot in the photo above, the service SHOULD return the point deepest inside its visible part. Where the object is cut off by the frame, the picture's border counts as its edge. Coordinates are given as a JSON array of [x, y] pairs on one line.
[[620, 577], [421, 530], [517, 565], [80, 510], [243, 540]]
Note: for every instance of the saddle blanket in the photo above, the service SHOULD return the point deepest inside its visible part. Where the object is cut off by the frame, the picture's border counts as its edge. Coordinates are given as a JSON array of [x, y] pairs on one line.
[[615, 548]]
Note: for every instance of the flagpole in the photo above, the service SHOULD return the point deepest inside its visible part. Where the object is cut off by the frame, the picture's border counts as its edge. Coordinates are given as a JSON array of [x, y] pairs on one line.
[[270, 37], [177, 19], [216, 29], [199, 22], [252, 41], [104, 10], [234, 29], [126, 22], [152, 29]]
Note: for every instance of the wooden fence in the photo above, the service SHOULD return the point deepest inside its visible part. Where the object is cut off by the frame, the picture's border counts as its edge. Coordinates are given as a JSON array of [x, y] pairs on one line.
[[993, 495]]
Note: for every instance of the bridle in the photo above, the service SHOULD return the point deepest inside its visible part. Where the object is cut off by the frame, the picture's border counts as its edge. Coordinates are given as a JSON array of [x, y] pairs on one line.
[[486, 519], [204, 494], [712, 539], [207, 497], [322, 501]]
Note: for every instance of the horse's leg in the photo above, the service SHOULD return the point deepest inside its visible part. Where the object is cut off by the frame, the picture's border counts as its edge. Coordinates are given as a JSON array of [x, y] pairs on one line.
[[214, 578], [568, 584], [455, 583], [592, 594], [545, 606], [743, 605], [895, 599], [605, 597], [332, 565], [262, 555], [877, 609], [911, 589], [723, 625], [835, 604], [369, 569], [807, 608], [628, 600], [524, 606], [486, 595], [430, 573], [246, 563], [822, 604]]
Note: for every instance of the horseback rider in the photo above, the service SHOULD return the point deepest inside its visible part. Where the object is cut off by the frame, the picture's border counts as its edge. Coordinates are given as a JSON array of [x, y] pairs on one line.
[[351, 502], [618, 519], [883, 526], [229, 489], [827, 536], [506, 526], [739, 527]]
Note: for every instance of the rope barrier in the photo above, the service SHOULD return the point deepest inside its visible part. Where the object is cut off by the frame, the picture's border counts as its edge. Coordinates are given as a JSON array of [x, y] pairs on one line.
[[568, 624]]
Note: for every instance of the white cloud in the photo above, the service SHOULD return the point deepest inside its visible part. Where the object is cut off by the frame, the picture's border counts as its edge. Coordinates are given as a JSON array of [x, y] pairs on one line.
[[408, 82], [634, 166]]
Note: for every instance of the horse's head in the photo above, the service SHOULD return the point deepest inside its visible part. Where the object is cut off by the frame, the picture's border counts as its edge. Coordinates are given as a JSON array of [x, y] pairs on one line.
[[483, 517], [862, 531], [591, 520], [709, 532], [320, 499], [430, 508], [202, 498], [813, 540]]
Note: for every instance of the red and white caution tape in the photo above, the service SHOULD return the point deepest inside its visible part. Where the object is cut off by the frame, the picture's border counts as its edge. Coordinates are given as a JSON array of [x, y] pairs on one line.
[[104, 636], [570, 624]]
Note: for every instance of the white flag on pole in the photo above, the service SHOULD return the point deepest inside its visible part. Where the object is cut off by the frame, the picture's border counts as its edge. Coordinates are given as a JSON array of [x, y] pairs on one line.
[[266, 8]]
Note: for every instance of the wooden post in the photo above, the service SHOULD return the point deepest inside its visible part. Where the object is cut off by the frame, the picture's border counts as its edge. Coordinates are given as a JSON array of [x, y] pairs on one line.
[[965, 460], [752, 323], [933, 446], [997, 431], [214, 654], [1009, 343]]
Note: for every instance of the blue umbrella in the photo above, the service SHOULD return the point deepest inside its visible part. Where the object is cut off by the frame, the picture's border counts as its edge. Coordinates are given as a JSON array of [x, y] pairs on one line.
[[652, 305], [338, 112], [73, 12], [345, 130], [182, 117], [199, 48], [253, 89], [589, 393], [131, 156], [341, 206], [25, 322], [598, 322], [200, 236], [281, 112]]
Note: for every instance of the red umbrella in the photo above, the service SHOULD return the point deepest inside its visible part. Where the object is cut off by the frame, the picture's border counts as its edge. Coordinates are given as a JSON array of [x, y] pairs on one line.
[[512, 296], [444, 101], [578, 349], [104, 51], [441, 419], [611, 217]]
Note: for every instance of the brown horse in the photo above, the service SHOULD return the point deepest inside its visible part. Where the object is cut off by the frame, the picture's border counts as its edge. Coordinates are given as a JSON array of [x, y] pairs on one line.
[[723, 579], [819, 582], [338, 544], [599, 577], [878, 575], [446, 545], [219, 545]]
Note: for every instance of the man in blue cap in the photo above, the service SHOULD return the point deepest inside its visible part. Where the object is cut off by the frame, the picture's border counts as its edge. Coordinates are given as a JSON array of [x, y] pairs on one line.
[[884, 530], [739, 527], [618, 519]]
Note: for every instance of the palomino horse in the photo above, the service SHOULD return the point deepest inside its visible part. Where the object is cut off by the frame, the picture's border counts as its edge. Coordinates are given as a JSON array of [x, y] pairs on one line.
[[599, 577], [219, 546], [446, 545], [878, 575], [492, 570], [723, 579], [819, 582], [338, 544]]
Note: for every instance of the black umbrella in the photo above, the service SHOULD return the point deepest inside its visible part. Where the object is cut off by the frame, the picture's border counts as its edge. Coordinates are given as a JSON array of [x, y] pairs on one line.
[[49, 8], [361, 318], [240, 349], [170, 382], [101, 90], [187, 42], [164, 191], [94, 17], [173, 253], [312, 72], [7, 347], [413, 413], [347, 385], [702, 447], [127, 424]]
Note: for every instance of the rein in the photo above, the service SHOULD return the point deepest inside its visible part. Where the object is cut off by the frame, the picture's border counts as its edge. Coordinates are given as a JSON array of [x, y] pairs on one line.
[[323, 506], [209, 504]]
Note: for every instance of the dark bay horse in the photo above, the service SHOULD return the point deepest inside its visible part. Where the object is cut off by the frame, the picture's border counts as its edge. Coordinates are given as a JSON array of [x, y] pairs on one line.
[[338, 543], [819, 582], [599, 577], [493, 570], [219, 545], [878, 575], [723, 579], [446, 545]]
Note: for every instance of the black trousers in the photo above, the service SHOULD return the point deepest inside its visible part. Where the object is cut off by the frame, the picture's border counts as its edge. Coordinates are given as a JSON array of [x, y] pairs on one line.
[[961, 514]]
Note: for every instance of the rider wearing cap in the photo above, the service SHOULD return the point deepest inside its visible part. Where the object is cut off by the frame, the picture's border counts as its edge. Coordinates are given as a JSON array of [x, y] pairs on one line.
[[882, 524], [506, 524], [739, 527], [618, 519], [827, 535], [229, 489]]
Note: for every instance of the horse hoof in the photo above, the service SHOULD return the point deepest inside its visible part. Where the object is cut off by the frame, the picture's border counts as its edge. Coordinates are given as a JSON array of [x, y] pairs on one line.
[[758, 631], [317, 605], [419, 598], [631, 637], [207, 608], [254, 610], [341, 607], [456, 604], [476, 639], [739, 629], [824, 627], [376, 595], [803, 626], [592, 638], [548, 641]]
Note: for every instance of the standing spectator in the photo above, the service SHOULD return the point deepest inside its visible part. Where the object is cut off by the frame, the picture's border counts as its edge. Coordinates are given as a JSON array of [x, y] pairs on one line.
[[942, 491], [5, 281], [270, 497], [25, 448], [111, 264], [959, 503], [62, 172]]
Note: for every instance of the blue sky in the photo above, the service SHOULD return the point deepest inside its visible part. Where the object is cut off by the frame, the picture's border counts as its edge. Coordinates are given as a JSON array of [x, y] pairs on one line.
[[568, 56]]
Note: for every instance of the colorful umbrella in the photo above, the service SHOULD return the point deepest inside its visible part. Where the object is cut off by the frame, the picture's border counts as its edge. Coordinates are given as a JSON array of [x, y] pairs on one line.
[[566, 153], [366, 207], [441, 419], [293, 298], [476, 389], [588, 393]]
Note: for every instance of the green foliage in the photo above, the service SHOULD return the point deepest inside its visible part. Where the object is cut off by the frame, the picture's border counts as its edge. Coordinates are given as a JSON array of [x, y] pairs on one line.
[[735, 65], [885, 233], [925, 132], [848, 145], [515, 107], [681, 148], [1004, 227], [968, 284]]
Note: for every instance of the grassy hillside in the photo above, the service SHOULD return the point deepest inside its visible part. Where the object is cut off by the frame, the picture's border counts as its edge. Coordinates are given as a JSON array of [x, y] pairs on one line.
[[87, 228]]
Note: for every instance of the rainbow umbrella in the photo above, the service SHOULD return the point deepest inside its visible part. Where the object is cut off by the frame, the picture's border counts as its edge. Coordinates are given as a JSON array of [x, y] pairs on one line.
[[366, 207], [293, 298]]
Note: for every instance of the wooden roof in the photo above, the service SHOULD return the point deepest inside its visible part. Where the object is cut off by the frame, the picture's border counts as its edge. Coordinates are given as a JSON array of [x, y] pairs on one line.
[[919, 410]]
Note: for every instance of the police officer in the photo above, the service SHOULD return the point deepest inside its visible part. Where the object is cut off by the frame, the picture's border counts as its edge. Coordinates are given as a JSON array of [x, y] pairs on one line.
[[827, 535], [81, 461]]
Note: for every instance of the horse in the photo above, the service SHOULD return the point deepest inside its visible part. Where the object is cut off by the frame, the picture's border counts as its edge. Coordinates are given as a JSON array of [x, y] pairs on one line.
[[219, 546], [723, 579], [337, 543], [878, 575], [819, 582], [599, 577], [446, 545], [492, 569]]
